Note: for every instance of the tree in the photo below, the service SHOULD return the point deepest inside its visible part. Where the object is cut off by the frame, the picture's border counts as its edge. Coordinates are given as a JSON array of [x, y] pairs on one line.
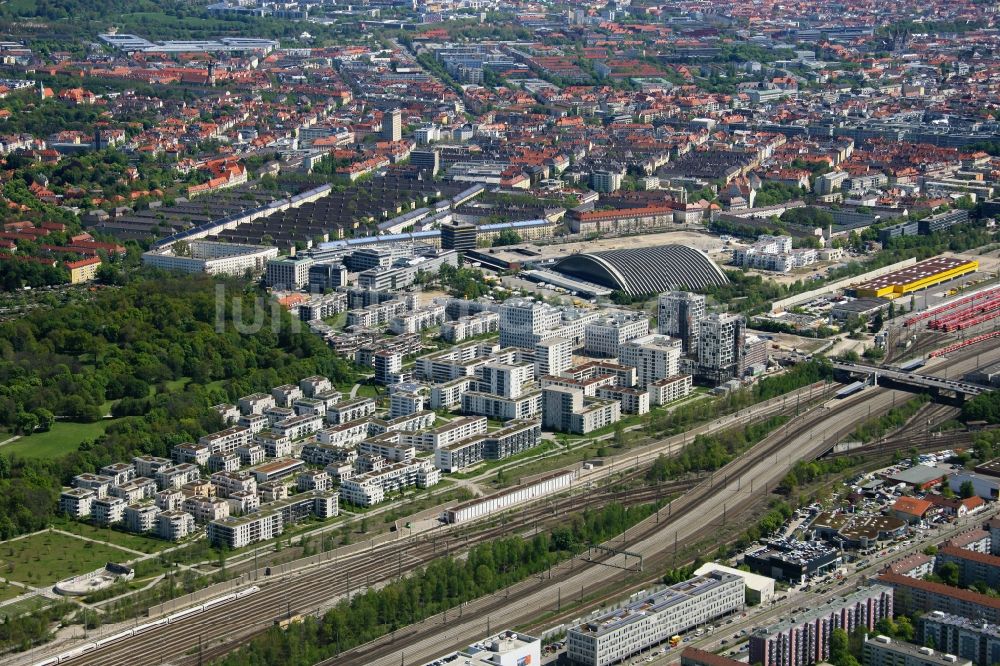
[[45, 418], [949, 573], [26, 423], [620, 437], [967, 489], [507, 237], [840, 653]]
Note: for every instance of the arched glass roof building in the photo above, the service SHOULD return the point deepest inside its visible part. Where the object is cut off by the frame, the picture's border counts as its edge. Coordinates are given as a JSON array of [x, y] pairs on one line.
[[646, 270]]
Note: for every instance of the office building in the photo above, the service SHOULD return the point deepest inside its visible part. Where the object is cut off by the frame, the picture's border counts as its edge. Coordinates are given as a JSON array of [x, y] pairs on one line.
[[323, 277], [967, 638], [654, 357], [678, 314], [804, 638], [508, 648], [613, 636], [287, 272], [427, 160], [392, 125], [459, 236], [884, 651]]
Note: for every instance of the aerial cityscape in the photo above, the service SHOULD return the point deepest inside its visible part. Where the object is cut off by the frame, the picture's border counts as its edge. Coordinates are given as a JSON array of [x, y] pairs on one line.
[[481, 333]]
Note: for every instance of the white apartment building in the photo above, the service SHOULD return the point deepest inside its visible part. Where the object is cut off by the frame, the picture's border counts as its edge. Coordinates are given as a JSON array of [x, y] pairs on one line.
[[205, 509], [371, 488], [243, 502], [315, 385], [286, 394], [569, 410], [613, 636], [458, 361], [255, 423], [448, 395], [240, 532], [469, 326], [119, 472], [523, 322], [553, 356], [449, 433], [506, 380], [213, 258], [402, 403], [254, 454], [223, 462], [345, 434], [632, 400], [77, 502], [275, 445], [256, 403], [350, 410], [135, 491], [108, 510], [418, 320], [174, 525], [669, 389], [678, 314], [298, 427], [148, 465], [176, 476], [190, 452], [100, 484], [653, 356], [227, 483], [493, 406], [226, 441], [313, 480], [309, 407], [389, 446], [170, 499], [141, 518], [605, 336]]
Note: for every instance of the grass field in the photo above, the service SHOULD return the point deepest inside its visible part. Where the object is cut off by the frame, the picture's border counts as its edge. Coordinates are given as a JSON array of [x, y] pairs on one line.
[[26, 605], [8, 591], [63, 438], [137, 542], [44, 558]]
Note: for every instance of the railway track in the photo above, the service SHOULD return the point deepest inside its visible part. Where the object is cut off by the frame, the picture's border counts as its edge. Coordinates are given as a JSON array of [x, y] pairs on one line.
[[651, 539]]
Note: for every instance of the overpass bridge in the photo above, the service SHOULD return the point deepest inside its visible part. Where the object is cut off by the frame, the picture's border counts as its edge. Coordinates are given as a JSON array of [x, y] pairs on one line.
[[940, 389]]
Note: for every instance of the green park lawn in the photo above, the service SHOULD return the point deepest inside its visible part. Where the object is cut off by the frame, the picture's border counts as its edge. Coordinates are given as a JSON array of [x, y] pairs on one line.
[[45, 557], [63, 438], [143, 544]]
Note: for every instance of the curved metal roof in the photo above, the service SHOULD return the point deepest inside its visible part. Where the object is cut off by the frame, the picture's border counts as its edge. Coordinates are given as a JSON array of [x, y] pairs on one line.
[[646, 270]]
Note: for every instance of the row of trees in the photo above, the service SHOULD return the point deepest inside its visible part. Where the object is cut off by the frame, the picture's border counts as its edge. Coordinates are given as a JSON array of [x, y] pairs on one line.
[[445, 583], [710, 452]]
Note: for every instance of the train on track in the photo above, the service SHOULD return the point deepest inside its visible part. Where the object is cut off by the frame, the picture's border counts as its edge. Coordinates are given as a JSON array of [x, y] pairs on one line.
[[142, 628]]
